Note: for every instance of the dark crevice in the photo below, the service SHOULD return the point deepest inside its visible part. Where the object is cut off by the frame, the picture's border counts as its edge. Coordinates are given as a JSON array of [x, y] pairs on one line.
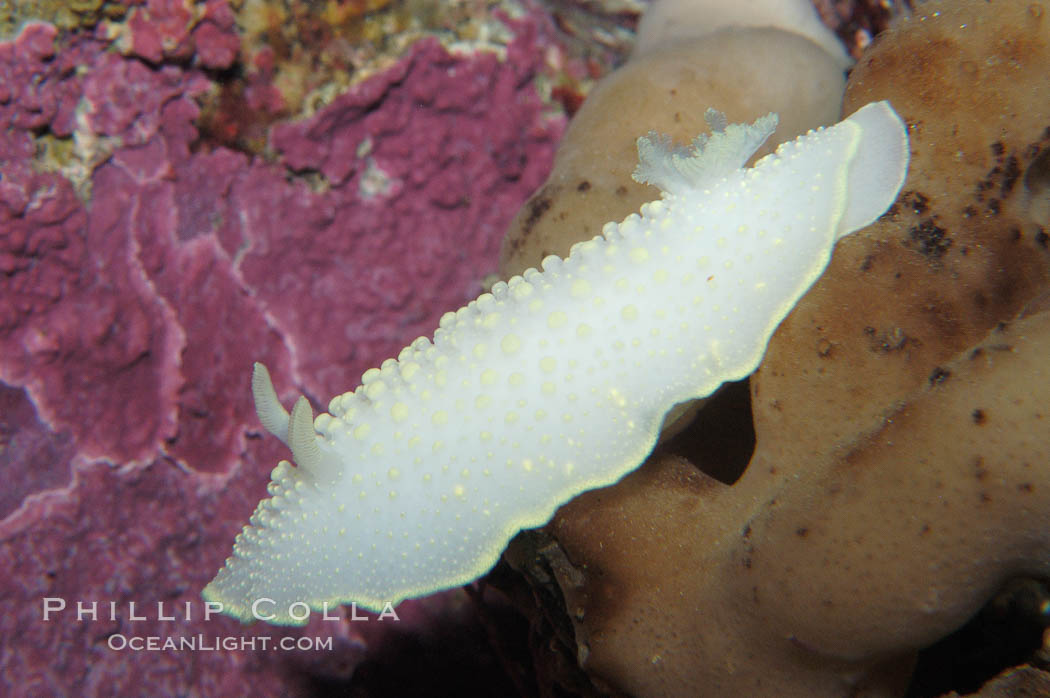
[[721, 439], [1006, 632]]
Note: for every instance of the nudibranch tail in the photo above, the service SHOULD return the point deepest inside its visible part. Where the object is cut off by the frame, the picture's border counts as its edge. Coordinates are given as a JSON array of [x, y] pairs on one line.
[[557, 381], [877, 169]]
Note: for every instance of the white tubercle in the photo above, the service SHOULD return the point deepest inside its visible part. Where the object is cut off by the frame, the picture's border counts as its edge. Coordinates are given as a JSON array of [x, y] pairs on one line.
[[557, 381]]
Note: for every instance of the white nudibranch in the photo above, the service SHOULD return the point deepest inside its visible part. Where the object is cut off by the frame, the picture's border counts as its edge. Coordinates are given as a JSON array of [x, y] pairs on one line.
[[557, 381]]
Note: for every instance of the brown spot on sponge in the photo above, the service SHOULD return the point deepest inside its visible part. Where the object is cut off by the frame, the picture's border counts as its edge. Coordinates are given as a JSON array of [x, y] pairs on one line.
[[930, 239], [536, 207]]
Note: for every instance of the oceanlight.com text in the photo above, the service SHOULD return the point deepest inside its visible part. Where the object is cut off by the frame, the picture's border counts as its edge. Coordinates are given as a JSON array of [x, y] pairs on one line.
[[213, 643]]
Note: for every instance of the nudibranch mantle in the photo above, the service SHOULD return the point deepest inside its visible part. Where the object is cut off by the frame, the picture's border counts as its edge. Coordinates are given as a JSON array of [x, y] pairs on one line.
[[557, 381]]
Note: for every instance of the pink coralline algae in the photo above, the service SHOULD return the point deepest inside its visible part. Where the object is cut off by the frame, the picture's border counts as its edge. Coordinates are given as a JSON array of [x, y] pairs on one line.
[[176, 29], [134, 298]]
